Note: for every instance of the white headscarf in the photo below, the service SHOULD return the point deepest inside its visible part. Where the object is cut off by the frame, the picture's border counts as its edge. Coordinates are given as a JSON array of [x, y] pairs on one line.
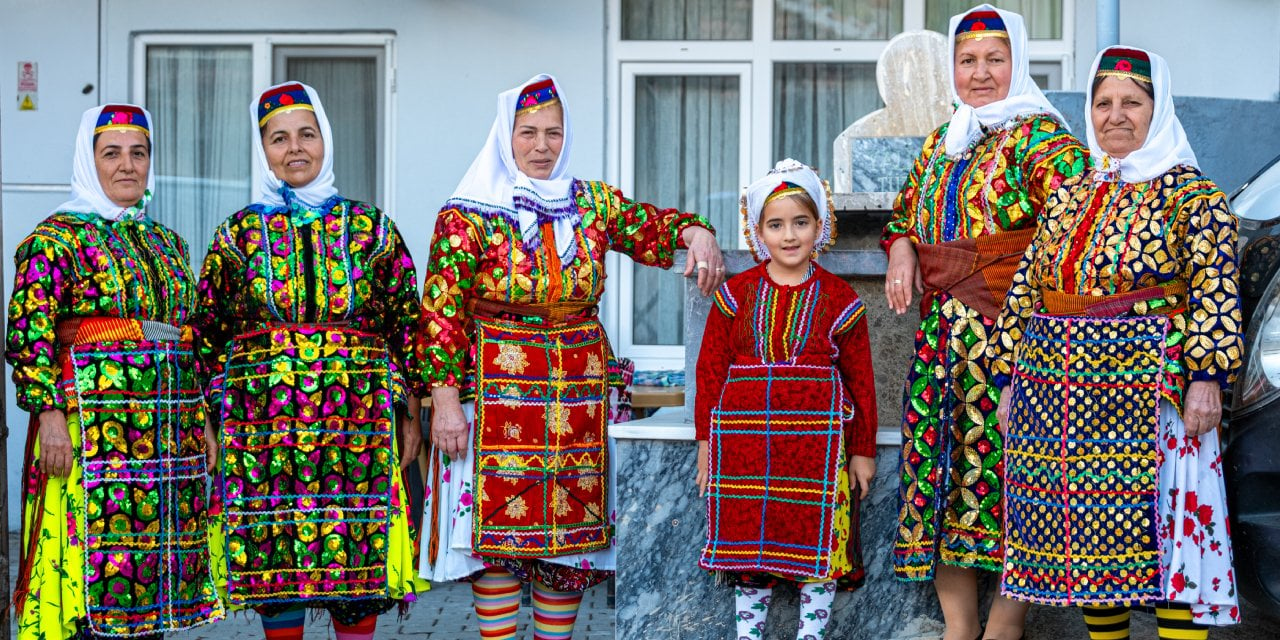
[[1166, 145], [795, 172], [494, 185], [271, 190], [1024, 98], [87, 195]]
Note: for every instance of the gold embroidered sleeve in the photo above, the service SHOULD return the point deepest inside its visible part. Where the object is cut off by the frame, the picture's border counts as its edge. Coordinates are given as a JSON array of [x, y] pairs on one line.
[[1214, 345]]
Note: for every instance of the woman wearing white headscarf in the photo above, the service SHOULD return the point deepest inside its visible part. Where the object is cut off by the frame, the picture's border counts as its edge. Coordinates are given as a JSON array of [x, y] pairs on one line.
[[966, 212], [306, 309], [103, 362], [1120, 332], [511, 346]]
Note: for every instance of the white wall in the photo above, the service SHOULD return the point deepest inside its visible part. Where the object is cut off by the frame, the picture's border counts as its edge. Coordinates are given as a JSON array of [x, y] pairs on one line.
[[1224, 49], [453, 59]]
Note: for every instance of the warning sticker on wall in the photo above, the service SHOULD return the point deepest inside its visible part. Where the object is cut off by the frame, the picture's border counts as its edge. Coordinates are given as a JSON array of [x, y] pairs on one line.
[[28, 85]]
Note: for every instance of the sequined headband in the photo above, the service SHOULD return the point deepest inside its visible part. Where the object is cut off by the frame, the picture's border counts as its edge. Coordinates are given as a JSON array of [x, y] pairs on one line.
[[1118, 62], [783, 190], [981, 24], [536, 96], [281, 99], [122, 117]]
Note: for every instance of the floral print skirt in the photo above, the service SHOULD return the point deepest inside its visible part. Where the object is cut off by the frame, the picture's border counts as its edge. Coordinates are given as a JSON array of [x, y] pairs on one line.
[[1194, 535], [54, 607]]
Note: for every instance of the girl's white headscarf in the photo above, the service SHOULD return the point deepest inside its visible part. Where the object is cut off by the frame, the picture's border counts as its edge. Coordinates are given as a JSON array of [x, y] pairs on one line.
[[755, 195], [272, 191], [1166, 145], [1024, 98], [494, 185], [87, 195]]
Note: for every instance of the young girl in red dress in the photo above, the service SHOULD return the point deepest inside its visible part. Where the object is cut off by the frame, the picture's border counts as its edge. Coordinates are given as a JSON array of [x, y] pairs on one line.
[[785, 411]]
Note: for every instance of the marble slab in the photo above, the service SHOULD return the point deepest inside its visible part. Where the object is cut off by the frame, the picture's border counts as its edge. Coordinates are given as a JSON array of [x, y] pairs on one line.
[[882, 164], [662, 525]]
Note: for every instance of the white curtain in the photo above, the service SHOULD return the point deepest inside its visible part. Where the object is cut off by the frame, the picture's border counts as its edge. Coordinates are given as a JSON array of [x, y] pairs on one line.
[[686, 156], [349, 89], [686, 19], [1042, 17], [836, 19], [199, 97], [814, 102]]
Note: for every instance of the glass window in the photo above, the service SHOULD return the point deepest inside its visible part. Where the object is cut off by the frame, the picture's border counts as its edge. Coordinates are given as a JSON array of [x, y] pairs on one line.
[[1042, 17], [199, 97], [686, 19], [836, 19], [813, 102], [348, 83], [687, 131]]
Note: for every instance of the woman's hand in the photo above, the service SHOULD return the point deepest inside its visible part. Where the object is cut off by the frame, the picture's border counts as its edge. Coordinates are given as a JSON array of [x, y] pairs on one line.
[[1002, 411], [862, 471], [211, 445], [703, 463], [902, 274], [409, 432], [55, 443], [449, 427], [1202, 408], [705, 257]]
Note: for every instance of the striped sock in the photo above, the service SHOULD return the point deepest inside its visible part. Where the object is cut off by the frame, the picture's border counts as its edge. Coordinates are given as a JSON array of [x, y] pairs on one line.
[[1173, 622], [284, 626], [554, 612], [1108, 622], [362, 630], [496, 594]]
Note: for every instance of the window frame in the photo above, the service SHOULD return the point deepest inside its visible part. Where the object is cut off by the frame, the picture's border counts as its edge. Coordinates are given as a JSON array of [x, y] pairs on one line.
[[263, 55], [663, 356], [759, 54]]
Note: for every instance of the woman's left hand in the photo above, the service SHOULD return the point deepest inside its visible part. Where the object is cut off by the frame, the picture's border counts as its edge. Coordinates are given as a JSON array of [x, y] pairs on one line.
[[1202, 408], [705, 257], [409, 429], [862, 470]]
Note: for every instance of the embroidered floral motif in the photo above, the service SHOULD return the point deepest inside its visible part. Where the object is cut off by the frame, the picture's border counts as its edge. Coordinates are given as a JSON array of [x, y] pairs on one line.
[[511, 359]]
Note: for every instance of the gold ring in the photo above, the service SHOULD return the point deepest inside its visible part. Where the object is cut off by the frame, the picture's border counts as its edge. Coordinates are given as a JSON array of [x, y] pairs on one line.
[[897, 282]]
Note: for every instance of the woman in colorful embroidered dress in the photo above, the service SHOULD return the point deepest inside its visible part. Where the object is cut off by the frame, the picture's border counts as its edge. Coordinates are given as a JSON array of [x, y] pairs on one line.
[[103, 362], [968, 209], [785, 375], [1127, 306], [511, 344], [305, 313]]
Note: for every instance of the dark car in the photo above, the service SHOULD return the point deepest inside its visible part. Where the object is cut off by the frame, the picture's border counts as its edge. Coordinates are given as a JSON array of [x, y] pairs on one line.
[[1252, 453]]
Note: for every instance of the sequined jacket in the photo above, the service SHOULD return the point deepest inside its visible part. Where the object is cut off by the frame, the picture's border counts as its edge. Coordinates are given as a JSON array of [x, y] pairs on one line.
[[84, 265], [477, 254], [1001, 184], [1103, 238], [343, 263]]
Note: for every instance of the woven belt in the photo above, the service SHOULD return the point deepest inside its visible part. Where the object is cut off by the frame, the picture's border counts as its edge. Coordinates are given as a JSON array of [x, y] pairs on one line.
[[552, 313], [1067, 304]]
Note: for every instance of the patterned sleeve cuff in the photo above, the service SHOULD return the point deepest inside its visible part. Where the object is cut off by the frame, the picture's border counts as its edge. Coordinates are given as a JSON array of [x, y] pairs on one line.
[[889, 238], [690, 220], [1223, 378], [37, 399]]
